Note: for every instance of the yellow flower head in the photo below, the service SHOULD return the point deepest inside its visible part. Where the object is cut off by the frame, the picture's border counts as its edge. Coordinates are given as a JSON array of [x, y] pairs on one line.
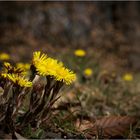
[[25, 66], [55, 69], [88, 72], [80, 53], [65, 75], [7, 65], [4, 75], [10, 69], [38, 58], [48, 66], [127, 77], [19, 80], [4, 56]]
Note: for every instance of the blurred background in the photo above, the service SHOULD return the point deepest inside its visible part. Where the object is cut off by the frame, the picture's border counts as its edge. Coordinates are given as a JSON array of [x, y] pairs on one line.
[[109, 30], [99, 41]]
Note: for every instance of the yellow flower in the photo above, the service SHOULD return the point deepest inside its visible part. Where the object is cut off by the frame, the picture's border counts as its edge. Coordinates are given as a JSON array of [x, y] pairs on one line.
[[4, 75], [65, 75], [38, 58], [7, 65], [54, 68], [25, 66], [19, 80], [4, 56], [49, 66], [12, 77], [88, 71], [39, 62], [80, 53], [10, 69], [127, 77]]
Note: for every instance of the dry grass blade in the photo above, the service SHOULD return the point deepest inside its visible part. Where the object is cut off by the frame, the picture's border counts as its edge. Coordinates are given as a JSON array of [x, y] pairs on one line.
[[112, 126]]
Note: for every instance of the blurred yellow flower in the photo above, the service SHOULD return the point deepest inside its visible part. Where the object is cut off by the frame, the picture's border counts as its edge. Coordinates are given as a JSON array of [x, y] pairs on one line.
[[25, 66], [88, 72], [4, 75], [19, 80], [4, 56], [80, 52], [127, 77], [7, 65]]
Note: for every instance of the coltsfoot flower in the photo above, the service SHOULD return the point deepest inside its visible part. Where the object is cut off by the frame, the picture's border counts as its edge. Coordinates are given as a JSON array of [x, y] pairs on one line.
[[4, 75], [8, 68], [80, 52], [127, 77], [65, 75], [19, 80], [88, 72], [4, 56], [46, 66], [38, 62], [38, 58], [25, 66], [7, 65]]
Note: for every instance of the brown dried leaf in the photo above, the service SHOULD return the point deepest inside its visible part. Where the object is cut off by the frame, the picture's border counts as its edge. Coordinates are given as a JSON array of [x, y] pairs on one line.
[[83, 125], [112, 126]]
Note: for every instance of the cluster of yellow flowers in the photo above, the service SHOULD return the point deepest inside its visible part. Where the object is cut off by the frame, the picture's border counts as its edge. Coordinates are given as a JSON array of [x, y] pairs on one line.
[[15, 75], [48, 66], [44, 66]]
